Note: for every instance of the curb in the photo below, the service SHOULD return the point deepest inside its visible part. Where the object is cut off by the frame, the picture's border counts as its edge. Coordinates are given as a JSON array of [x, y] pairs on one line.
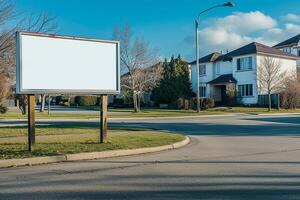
[[88, 156], [277, 114]]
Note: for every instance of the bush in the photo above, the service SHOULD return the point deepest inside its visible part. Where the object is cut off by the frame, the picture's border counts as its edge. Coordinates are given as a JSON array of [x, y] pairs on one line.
[[86, 100], [207, 103], [61, 100], [3, 109]]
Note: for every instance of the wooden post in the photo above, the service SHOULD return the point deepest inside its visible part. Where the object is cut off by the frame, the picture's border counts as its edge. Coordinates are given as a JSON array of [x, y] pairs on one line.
[[103, 119], [31, 122]]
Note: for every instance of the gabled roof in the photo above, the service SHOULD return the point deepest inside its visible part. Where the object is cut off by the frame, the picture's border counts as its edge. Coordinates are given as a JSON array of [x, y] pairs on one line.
[[256, 47], [225, 78], [289, 42], [251, 48], [209, 58]]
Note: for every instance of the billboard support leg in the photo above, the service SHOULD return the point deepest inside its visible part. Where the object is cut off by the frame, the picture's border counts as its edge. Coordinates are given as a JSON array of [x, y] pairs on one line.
[[31, 122], [103, 119]]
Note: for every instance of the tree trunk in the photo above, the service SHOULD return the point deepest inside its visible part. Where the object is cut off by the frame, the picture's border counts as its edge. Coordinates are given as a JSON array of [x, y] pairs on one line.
[[135, 102], [69, 101], [139, 102], [270, 102], [43, 98]]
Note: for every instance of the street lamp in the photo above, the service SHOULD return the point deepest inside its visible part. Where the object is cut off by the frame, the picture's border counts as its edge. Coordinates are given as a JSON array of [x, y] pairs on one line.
[[228, 4]]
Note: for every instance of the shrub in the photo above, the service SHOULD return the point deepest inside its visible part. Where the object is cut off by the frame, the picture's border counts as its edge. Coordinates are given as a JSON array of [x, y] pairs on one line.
[[86, 100], [207, 103], [3, 109], [61, 100]]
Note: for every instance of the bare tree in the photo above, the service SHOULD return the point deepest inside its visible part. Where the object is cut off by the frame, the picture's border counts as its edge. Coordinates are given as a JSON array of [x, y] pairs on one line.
[[270, 77], [136, 56], [290, 95], [4, 87]]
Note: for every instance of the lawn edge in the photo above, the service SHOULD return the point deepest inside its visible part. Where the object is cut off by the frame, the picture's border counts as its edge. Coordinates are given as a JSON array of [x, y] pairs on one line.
[[121, 118], [6, 163]]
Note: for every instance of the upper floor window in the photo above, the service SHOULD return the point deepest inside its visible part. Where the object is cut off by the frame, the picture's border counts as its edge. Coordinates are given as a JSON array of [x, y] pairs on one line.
[[287, 50], [202, 70], [298, 52], [217, 68], [244, 63]]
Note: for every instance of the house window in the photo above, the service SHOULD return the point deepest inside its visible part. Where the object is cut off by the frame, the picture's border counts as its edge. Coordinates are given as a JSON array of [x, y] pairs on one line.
[[244, 63], [217, 68], [287, 50], [202, 91], [202, 70], [245, 90], [298, 52]]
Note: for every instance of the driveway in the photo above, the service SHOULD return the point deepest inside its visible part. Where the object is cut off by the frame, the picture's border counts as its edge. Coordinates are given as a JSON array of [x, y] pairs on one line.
[[229, 157]]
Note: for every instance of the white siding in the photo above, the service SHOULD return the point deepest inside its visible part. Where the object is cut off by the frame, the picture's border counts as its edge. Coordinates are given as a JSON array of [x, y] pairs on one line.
[[287, 65], [246, 77], [242, 77]]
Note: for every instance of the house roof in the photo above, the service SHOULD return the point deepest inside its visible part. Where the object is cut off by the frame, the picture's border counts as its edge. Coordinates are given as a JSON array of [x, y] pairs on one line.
[[251, 48], [289, 42], [225, 78], [209, 58], [256, 47]]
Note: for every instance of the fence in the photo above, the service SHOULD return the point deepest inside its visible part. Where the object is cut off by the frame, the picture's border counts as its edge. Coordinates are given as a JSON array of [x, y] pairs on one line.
[[263, 100]]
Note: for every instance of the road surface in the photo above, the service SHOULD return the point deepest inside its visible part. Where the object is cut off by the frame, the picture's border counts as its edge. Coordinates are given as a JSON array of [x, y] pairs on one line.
[[234, 157]]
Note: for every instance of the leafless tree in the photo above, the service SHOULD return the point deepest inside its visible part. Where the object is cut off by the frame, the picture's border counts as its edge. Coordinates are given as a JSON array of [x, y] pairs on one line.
[[270, 77], [4, 87], [290, 95], [136, 56], [145, 80]]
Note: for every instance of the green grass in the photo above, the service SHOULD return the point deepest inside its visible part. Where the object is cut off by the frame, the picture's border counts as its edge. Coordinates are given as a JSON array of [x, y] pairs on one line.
[[127, 113], [87, 141], [112, 114], [66, 129]]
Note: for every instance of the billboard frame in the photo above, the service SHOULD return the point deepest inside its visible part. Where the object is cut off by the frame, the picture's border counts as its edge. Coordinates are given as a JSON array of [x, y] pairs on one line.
[[20, 90]]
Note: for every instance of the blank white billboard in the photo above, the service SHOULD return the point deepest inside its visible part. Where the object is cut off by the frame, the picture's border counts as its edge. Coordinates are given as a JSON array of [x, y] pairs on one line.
[[51, 64]]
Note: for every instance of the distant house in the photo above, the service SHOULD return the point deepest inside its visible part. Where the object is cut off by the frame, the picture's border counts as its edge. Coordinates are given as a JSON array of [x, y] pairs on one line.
[[291, 45], [237, 70]]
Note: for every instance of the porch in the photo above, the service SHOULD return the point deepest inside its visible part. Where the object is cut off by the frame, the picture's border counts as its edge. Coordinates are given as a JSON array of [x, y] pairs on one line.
[[222, 89]]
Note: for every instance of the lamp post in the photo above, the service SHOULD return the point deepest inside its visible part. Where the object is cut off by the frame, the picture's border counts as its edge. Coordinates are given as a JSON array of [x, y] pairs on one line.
[[228, 4]]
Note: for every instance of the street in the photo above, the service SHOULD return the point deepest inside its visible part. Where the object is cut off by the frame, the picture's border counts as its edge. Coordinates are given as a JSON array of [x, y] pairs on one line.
[[230, 157]]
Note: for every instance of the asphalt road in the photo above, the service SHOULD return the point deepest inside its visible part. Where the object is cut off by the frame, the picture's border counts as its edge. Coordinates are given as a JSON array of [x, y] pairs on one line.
[[234, 157]]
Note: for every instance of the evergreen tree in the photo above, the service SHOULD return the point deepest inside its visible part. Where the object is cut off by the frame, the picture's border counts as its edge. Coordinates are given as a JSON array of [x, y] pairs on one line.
[[175, 83]]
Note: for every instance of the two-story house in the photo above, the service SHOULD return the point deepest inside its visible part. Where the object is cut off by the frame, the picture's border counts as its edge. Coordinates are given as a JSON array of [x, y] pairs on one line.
[[291, 45], [237, 71]]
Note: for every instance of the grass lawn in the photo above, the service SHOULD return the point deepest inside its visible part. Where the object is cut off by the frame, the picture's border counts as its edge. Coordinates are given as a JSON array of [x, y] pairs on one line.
[[127, 113], [113, 113], [58, 140]]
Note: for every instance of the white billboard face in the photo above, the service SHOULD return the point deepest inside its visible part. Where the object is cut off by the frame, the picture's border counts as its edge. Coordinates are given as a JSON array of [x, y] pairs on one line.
[[50, 64]]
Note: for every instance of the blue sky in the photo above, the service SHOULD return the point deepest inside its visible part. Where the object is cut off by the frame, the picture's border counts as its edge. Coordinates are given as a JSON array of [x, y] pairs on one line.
[[168, 25]]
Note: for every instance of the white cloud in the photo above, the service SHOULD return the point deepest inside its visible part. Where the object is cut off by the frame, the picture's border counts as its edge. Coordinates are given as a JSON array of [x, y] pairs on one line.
[[238, 29], [292, 17], [219, 39], [246, 22], [292, 28]]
